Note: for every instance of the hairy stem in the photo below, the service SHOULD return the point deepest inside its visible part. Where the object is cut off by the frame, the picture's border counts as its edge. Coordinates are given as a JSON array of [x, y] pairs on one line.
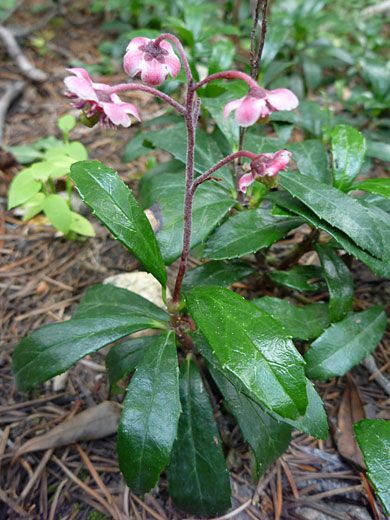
[[229, 74], [179, 46]]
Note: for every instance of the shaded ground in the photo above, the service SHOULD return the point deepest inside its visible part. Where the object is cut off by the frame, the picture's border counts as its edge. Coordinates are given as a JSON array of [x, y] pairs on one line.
[[43, 277]]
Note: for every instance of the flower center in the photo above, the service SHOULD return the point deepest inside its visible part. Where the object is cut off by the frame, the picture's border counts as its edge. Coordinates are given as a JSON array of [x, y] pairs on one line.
[[102, 96], [154, 53]]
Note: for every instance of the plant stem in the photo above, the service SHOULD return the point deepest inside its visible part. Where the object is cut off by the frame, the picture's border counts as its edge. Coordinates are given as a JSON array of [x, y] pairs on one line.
[[123, 87], [51, 185], [69, 187], [298, 251], [179, 46], [229, 74]]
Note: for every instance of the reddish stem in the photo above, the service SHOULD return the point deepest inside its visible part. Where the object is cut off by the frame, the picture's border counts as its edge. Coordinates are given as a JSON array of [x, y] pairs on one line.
[[229, 74]]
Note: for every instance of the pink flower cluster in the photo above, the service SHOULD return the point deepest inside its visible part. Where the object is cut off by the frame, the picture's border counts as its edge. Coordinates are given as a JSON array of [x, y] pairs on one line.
[[95, 101], [264, 164]]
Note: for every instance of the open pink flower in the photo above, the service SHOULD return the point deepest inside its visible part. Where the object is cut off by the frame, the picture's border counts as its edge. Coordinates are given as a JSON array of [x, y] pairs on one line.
[[265, 164], [95, 101], [259, 103], [151, 61]]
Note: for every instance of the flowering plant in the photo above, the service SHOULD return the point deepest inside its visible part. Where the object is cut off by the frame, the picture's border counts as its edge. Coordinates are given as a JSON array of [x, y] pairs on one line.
[[208, 332]]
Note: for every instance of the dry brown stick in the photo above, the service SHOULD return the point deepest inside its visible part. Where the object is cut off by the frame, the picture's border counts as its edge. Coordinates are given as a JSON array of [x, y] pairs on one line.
[[370, 364], [147, 508], [37, 473], [11, 93], [56, 498], [12, 504], [15, 52]]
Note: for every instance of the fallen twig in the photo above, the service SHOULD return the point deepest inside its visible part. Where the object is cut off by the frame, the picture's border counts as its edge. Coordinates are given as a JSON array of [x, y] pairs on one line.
[[15, 52], [11, 93], [370, 364]]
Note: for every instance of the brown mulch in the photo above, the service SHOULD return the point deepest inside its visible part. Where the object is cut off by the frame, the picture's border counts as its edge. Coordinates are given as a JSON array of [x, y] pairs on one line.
[[42, 279]]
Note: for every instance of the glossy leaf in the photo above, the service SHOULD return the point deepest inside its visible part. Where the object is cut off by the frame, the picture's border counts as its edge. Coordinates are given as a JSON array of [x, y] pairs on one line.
[[124, 357], [247, 232], [344, 344], [57, 211], [286, 201], [368, 227], [22, 188], [339, 280], [105, 300], [114, 204], [378, 186], [228, 125], [312, 160], [303, 322], [256, 349], [267, 437], [348, 151], [151, 410], [216, 273], [198, 479], [300, 277], [373, 437], [210, 205], [378, 149]]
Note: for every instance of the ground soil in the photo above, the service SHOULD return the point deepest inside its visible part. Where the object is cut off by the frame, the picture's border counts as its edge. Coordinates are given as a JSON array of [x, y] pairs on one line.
[[42, 279]]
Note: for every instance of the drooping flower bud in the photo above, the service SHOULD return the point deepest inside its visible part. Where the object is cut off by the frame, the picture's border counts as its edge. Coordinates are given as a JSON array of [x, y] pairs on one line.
[[264, 165], [153, 62]]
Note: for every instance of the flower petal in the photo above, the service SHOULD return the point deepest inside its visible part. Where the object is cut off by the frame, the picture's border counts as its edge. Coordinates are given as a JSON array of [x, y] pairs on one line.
[[116, 114], [282, 99], [250, 110], [245, 181], [173, 65], [279, 161], [132, 62], [136, 43], [81, 87], [232, 105], [153, 73]]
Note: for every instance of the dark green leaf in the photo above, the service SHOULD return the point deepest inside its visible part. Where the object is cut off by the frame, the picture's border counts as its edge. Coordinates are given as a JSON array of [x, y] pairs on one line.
[[286, 201], [114, 204], [105, 300], [198, 479], [210, 205], [135, 148], [312, 72], [216, 273], [228, 125], [312, 160], [376, 200], [311, 117], [339, 281], [53, 349], [378, 186], [345, 344], [207, 152], [247, 232], [255, 348], [267, 437], [377, 73], [301, 322], [151, 410], [124, 357], [378, 150], [276, 36], [261, 144], [373, 438], [369, 227], [300, 277], [348, 151]]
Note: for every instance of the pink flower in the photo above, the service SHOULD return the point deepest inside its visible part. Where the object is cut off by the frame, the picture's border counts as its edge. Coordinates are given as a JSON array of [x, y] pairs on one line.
[[96, 102], [259, 103], [151, 61], [265, 164]]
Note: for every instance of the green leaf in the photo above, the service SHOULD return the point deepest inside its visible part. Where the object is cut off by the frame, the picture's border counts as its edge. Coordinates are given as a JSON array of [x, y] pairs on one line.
[[255, 348], [106, 300], [33, 206], [198, 479], [22, 188], [345, 344], [373, 437], [348, 151], [222, 56], [339, 280], [228, 125], [247, 232], [25, 154], [207, 152], [285, 200], [135, 148], [377, 73], [66, 123], [77, 151], [369, 227], [216, 273], [303, 322], [276, 36], [311, 117], [210, 205], [267, 437], [114, 204], [57, 211], [378, 186], [378, 150], [300, 278], [124, 357], [81, 225], [312, 160], [312, 72], [150, 416]]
